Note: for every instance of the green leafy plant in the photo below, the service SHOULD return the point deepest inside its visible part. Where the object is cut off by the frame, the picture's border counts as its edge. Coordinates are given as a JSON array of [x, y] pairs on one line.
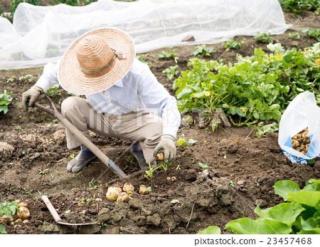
[[314, 33], [171, 72], [298, 214], [182, 142], [264, 129], [297, 6], [142, 58], [54, 91], [263, 38], [93, 184], [203, 51], [294, 35], [5, 100], [232, 45], [168, 55], [203, 166], [210, 230], [7, 209], [14, 3], [153, 168], [253, 89]]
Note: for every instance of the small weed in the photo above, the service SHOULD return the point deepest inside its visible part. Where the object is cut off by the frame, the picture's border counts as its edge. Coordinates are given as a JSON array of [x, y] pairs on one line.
[[93, 184], [44, 172], [314, 33], [54, 91], [142, 58], [203, 51], [232, 45], [264, 129], [203, 166], [163, 165], [172, 72], [263, 38], [149, 174], [5, 101], [168, 55], [295, 35]]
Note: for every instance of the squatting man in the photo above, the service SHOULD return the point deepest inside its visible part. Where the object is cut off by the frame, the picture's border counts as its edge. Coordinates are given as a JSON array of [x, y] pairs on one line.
[[122, 97]]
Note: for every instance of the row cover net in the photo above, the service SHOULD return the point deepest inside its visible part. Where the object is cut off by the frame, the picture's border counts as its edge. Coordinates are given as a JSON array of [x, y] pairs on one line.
[[41, 34]]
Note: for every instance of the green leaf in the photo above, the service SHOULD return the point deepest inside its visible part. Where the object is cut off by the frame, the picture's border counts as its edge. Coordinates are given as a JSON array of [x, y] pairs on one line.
[[210, 230], [203, 166], [2, 229], [286, 213], [311, 231], [258, 226], [283, 187], [310, 225], [182, 142], [309, 198], [8, 208], [313, 185]]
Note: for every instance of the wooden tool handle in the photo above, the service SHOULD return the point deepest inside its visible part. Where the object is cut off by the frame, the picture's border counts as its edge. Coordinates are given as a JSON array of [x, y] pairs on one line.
[[52, 210], [84, 140]]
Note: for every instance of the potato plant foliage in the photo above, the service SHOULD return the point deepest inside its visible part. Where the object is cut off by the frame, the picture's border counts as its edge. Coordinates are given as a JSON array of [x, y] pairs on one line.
[[297, 6], [253, 89], [7, 209], [5, 100], [298, 214]]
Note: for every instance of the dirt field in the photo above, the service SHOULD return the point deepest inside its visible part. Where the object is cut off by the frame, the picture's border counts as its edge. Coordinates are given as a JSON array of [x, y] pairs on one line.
[[242, 168]]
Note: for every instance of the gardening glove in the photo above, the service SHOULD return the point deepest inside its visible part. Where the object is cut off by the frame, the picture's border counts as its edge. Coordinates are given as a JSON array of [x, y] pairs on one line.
[[168, 146], [30, 96]]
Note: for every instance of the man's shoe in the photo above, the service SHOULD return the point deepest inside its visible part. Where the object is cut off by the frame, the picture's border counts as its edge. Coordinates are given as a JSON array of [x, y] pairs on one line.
[[136, 151], [84, 157]]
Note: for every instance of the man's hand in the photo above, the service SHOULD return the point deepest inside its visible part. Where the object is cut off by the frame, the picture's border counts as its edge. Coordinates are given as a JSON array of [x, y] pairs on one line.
[[168, 146], [30, 96]]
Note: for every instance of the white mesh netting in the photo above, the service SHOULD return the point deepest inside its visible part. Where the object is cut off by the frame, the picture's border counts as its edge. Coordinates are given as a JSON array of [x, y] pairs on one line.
[[41, 34]]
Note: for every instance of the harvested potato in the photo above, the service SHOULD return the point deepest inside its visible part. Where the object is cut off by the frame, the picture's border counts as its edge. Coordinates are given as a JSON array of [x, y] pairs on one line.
[[171, 179], [112, 193], [301, 141], [23, 213], [160, 156], [123, 197], [144, 190], [128, 188], [5, 219], [22, 204]]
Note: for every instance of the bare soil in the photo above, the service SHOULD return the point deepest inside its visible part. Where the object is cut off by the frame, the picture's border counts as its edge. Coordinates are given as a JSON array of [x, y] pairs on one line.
[[241, 167]]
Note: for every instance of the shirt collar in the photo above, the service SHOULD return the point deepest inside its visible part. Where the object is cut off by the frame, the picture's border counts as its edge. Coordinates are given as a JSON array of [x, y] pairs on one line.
[[119, 83]]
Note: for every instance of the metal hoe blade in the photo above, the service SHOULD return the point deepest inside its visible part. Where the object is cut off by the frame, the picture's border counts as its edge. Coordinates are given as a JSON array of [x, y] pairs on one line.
[[57, 217]]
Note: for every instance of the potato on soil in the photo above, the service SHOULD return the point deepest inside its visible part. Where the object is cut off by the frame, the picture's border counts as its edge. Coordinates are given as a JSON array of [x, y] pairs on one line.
[[22, 204], [23, 213], [128, 188], [112, 193], [144, 190], [5, 219], [123, 197]]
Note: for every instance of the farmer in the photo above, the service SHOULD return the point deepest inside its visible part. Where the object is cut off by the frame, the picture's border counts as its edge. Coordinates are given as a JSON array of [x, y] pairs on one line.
[[123, 98]]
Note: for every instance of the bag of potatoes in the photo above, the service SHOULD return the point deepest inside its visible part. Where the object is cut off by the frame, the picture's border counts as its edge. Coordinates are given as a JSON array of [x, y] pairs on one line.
[[299, 129]]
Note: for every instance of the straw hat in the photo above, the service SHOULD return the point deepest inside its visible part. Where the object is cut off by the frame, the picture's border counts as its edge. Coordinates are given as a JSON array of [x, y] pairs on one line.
[[96, 61]]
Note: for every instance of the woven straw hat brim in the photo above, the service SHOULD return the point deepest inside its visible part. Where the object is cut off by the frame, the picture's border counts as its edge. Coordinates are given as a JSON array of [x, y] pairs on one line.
[[74, 81]]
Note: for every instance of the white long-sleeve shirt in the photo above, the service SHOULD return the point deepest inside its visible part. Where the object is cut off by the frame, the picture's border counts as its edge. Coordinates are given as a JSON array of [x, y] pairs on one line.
[[138, 90]]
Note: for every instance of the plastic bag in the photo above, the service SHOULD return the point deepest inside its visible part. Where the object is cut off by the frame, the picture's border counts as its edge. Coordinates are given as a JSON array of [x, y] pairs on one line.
[[41, 34], [301, 113]]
